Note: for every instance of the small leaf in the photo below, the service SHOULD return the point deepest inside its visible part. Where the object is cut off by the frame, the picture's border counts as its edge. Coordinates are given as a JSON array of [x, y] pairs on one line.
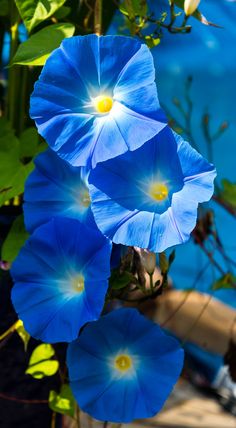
[[40, 363], [226, 281], [200, 17], [25, 337], [228, 192], [63, 402], [14, 241], [41, 352], [133, 8], [152, 41], [45, 368], [35, 11], [39, 46], [120, 280]]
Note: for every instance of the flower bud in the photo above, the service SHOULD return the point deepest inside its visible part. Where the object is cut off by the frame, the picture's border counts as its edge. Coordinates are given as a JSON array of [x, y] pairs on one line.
[[190, 6], [148, 259], [5, 265]]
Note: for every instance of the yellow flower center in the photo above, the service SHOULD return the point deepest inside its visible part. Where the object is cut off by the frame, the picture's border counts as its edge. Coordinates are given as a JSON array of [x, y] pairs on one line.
[[158, 191], [78, 284], [103, 104], [123, 362], [85, 199]]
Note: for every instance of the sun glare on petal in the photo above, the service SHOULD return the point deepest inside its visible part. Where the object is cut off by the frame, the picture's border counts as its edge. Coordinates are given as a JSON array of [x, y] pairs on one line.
[[103, 104]]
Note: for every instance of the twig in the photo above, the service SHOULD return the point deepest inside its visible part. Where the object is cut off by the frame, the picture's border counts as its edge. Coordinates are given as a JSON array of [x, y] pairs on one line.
[[185, 339], [208, 254], [53, 421], [224, 204], [186, 295], [22, 400], [98, 17], [78, 416]]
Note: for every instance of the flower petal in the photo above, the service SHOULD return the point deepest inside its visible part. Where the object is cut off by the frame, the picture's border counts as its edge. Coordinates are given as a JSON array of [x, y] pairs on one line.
[[80, 70], [55, 188], [94, 377], [45, 294], [122, 202]]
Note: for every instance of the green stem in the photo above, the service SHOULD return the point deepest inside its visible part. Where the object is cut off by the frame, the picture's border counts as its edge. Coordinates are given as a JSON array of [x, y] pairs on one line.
[[78, 416], [90, 421], [98, 17], [53, 420], [22, 99], [10, 330], [13, 72], [186, 337], [2, 31], [172, 14], [185, 20]]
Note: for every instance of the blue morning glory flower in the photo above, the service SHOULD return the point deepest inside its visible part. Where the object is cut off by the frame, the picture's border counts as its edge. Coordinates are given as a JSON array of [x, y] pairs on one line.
[[96, 98], [60, 279], [123, 367], [55, 188], [149, 198]]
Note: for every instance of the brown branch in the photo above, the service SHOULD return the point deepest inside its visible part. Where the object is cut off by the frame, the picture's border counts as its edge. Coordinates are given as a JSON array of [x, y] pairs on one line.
[[231, 210], [22, 400]]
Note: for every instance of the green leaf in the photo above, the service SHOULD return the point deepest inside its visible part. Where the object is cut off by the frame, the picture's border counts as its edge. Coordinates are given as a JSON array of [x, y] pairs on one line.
[[15, 179], [228, 192], [29, 140], [64, 402], [25, 337], [30, 145], [4, 7], [40, 353], [226, 281], [15, 239], [151, 42], [197, 14], [133, 8], [35, 11], [40, 363], [45, 368], [13, 171], [39, 46], [63, 12], [120, 280]]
